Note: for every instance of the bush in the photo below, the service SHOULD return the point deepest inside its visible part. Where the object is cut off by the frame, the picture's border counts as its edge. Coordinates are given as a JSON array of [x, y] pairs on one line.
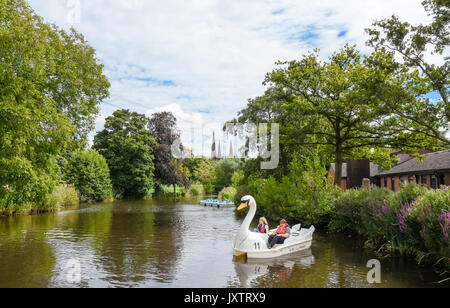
[[224, 170], [430, 220], [196, 190], [167, 191], [89, 172], [228, 194], [408, 193], [358, 211], [304, 195], [237, 178], [60, 197], [413, 222]]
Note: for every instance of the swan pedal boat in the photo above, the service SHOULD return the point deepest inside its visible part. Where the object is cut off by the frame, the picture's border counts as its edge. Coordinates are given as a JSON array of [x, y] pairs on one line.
[[255, 245]]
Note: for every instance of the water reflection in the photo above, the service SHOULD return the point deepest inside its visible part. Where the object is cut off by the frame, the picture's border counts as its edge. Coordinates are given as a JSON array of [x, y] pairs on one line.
[[254, 271], [159, 243], [20, 237]]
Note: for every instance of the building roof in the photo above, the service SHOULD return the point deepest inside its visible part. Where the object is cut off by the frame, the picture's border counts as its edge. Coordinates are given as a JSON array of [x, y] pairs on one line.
[[344, 169], [433, 162]]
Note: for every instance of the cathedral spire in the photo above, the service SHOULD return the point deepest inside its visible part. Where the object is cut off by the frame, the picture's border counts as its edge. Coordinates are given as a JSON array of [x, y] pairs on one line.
[[213, 148], [231, 155]]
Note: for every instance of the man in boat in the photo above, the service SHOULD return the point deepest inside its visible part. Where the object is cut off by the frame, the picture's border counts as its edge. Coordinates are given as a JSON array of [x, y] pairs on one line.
[[283, 232]]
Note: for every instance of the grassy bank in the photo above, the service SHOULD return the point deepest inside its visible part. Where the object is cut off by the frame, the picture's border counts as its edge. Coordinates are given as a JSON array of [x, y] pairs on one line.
[[59, 198]]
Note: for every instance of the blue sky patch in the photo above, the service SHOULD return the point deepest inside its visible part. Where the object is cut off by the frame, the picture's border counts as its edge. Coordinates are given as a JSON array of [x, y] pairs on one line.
[[204, 111], [278, 12], [308, 35], [153, 81], [342, 33]]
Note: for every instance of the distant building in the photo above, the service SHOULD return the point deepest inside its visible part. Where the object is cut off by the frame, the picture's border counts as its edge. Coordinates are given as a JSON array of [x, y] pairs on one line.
[[213, 147], [216, 149], [332, 174], [433, 172], [219, 154], [231, 154]]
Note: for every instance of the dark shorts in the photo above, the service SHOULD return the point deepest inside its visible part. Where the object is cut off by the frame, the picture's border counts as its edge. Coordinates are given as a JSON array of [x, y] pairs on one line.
[[276, 239]]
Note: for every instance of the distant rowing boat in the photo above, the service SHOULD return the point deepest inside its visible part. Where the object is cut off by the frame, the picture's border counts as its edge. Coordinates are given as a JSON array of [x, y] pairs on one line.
[[217, 203]]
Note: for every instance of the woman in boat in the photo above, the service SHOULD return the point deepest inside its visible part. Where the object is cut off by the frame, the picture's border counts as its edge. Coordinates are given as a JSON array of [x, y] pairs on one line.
[[263, 226], [283, 232]]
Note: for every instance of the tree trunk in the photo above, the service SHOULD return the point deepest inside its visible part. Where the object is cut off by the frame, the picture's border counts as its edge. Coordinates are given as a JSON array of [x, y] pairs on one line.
[[175, 191], [338, 171], [157, 189]]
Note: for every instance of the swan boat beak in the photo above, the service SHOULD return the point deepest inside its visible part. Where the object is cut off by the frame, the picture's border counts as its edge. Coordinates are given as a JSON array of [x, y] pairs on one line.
[[242, 206]]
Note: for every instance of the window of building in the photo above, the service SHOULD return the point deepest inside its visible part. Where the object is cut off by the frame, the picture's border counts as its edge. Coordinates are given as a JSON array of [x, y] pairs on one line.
[[417, 179], [442, 180], [385, 182], [433, 182], [411, 179], [424, 180], [393, 184]]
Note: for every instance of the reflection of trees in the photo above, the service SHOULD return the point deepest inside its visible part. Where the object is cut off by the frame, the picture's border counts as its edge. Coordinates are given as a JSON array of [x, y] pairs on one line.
[[26, 259], [133, 244]]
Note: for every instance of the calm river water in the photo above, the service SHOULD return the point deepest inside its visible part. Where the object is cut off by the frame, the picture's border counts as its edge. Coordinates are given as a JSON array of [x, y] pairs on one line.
[[166, 244]]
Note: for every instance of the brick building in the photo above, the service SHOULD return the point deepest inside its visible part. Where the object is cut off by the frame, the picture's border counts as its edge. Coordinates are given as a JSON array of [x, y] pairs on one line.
[[433, 172]]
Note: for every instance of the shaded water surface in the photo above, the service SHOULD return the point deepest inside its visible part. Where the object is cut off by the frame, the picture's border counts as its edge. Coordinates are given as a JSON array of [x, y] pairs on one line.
[[161, 243]]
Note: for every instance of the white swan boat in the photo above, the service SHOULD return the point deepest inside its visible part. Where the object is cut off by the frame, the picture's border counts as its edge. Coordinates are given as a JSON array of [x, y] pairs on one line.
[[255, 245]]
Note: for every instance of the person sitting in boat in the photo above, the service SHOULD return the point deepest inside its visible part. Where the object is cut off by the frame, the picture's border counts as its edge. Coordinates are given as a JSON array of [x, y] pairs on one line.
[[283, 232], [263, 226]]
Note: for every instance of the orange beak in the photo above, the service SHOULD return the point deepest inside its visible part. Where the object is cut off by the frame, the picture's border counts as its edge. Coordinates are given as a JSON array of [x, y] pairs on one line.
[[243, 206]]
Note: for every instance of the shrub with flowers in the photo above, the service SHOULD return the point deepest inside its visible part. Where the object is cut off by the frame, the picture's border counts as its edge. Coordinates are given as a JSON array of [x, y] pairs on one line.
[[413, 222]]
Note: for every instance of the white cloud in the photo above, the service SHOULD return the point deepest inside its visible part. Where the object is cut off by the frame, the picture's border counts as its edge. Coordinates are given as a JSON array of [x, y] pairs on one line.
[[207, 57]]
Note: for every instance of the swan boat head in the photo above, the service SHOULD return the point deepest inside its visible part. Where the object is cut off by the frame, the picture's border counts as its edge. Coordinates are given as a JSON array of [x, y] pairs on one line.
[[245, 240]]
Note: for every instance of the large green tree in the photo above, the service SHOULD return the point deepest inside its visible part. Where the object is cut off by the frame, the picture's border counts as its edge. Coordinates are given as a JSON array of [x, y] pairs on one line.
[[50, 87], [224, 171], [201, 170], [127, 145], [271, 108], [338, 103], [169, 170], [421, 52], [89, 172]]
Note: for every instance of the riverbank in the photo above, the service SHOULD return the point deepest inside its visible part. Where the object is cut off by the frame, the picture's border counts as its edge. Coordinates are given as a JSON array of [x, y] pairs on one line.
[[66, 196], [61, 197]]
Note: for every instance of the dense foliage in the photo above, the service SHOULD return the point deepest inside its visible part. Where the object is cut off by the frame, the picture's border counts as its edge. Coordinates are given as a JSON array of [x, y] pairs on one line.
[[51, 86], [303, 196], [127, 145], [224, 171], [168, 169], [414, 221], [412, 46], [89, 172], [227, 194]]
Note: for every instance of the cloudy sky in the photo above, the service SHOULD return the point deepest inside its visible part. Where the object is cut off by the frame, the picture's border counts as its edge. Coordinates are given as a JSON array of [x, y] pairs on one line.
[[202, 59]]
